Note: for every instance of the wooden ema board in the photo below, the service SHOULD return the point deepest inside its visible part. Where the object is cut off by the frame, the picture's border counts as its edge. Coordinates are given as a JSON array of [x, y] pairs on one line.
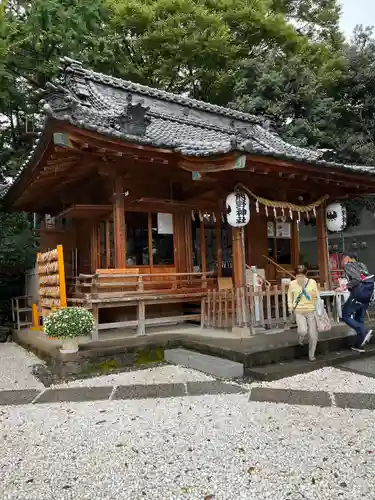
[[51, 276]]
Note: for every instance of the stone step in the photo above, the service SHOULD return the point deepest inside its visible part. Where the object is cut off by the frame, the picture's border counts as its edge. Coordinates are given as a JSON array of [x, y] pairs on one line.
[[284, 369], [218, 367]]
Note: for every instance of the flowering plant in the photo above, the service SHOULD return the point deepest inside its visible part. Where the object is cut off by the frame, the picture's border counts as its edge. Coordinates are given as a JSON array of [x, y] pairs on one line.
[[70, 322]]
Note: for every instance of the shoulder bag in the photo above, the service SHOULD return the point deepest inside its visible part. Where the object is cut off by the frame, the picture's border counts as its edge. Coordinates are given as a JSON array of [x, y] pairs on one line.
[[323, 322]]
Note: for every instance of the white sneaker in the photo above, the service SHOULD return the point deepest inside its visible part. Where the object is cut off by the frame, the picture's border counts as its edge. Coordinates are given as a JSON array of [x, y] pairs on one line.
[[367, 339], [358, 349], [301, 339]]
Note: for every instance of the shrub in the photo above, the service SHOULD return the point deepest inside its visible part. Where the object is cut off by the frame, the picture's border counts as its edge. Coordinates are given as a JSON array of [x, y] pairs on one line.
[[70, 322]]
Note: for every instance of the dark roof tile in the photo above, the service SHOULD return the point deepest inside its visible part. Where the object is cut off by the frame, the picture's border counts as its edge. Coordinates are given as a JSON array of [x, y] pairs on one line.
[[107, 105]]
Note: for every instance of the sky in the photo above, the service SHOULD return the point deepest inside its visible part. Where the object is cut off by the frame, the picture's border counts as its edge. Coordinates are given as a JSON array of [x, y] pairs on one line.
[[357, 12]]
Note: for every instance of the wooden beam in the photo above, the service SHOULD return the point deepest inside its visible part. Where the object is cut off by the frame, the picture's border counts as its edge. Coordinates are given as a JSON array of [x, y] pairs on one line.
[[109, 144], [322, 239], [119, 224], [338, 174], [210, 164]]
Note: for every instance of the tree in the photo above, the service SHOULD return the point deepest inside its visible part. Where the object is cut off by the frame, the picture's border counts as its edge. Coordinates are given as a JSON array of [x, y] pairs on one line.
[[188, 46], [17, 249], [17, 255], [33, 37], [321, 97], [293, 93], [196, 46]]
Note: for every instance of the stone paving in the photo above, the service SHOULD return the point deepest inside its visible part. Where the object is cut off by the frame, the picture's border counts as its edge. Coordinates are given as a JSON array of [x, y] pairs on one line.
[[167, 433], [218, 447], [328, 387]]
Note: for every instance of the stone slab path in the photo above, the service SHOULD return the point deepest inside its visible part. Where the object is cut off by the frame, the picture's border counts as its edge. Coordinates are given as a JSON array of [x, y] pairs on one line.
[[146, 391], [351, 385]]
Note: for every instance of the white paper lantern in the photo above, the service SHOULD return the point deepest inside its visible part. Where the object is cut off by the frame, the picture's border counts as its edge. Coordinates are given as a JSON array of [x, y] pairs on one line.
[[238, 209], [336, 217]]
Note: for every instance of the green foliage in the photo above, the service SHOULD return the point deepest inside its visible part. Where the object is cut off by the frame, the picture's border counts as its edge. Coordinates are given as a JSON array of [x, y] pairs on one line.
[[196, 46], [150, 355], [33, 37], [108, 366], [70, 322], [199, 47], [17, 244], [17, 255]]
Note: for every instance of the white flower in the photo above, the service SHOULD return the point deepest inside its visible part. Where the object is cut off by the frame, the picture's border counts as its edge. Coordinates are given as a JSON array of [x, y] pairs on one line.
[[69, 322]]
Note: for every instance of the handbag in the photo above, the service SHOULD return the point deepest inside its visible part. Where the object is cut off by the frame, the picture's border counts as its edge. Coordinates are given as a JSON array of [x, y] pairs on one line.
[[323, 322]]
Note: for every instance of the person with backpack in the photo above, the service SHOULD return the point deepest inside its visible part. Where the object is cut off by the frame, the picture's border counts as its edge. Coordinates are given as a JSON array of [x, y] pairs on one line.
[[361, 288]]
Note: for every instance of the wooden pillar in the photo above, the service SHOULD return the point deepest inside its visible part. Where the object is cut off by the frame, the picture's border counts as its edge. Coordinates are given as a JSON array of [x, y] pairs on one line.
[[203, 247], [150, 254], [108, 242], [295, 244], [94, 247], [119, 224], [183, 241], [187, 243], [95, 313], [237, 256], [218, 244], [322, 240]]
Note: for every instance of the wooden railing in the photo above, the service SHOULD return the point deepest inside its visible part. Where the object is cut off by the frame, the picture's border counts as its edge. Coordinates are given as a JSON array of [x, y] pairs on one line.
[[263, 308]]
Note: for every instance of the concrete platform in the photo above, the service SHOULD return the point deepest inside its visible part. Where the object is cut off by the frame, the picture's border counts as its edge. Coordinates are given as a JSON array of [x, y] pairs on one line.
[[218, 367], [363, 366], [117, 350]]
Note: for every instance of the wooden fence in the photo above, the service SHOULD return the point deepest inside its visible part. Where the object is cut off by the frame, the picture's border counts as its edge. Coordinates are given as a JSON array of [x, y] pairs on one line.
[[263, 308]]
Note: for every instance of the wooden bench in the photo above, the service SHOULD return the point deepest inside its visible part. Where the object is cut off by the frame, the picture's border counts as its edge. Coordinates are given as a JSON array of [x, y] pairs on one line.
[[126, 288]]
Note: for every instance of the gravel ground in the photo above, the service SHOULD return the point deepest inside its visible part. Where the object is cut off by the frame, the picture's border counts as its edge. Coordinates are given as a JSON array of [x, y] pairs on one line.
[[326, 379], [159, 375], [212, 447], [16, 368]]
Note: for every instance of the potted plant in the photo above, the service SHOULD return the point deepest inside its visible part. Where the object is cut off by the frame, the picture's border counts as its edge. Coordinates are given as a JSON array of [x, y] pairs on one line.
[[69, 324]]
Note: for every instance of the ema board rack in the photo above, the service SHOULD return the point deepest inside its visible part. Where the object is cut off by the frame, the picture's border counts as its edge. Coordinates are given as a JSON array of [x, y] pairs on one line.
[[51, 276]]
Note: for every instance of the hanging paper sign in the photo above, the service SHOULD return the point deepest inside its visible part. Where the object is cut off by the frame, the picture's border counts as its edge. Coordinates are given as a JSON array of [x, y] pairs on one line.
[[240, 162], [283, 230], [238, 209], [336, 217], [165, 223]]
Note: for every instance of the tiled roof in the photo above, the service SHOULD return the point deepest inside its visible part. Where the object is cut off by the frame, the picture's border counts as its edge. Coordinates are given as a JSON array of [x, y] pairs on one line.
[[141, 114]]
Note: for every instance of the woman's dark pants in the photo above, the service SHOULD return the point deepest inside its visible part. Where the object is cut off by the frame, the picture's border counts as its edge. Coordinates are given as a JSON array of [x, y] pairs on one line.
[[353, 314]]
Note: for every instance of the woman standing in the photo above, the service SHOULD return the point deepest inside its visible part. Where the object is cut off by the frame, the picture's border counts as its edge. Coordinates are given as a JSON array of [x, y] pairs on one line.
[[302, 296]]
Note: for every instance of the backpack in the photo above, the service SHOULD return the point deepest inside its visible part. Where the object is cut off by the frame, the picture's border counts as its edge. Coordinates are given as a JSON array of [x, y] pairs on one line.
[[364, 291]]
